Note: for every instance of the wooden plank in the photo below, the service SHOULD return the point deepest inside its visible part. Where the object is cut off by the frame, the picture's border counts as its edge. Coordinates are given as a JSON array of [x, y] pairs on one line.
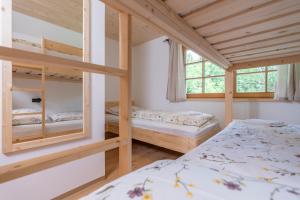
[[17, 55], [62, 48], [34, 144], [265, 49], [262, 43], [206, 95], [43, 97], [280, 21], [253, 95], [86, 58], [280, 60], [125, 151], [187, 6], [6, 40], [160, 15], [229, 74], [253, 15], [49, 78], [31, 113], [262, 55], [26, 167], [33, 90], [260, 37], [221, 10]]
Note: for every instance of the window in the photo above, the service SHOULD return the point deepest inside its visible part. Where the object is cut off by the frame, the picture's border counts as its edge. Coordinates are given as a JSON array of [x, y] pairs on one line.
[[203, 78], [256, 82]]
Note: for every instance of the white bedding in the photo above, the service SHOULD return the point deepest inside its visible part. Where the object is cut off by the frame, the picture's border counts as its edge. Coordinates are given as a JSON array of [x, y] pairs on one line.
[[247, 160], [168, 128], [55, 127]]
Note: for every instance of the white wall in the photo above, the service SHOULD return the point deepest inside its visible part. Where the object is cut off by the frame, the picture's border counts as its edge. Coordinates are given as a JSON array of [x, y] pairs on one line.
[[38, 28], [150, 74], [60, 96], [54, 181]]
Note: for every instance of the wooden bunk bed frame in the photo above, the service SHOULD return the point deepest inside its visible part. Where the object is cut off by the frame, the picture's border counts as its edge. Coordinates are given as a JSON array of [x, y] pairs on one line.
[[25, 71], [181, 144], [166, 20]]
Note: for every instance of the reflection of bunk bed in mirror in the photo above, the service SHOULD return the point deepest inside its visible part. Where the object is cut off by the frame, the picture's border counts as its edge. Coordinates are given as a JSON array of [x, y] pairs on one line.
[[45, 127]]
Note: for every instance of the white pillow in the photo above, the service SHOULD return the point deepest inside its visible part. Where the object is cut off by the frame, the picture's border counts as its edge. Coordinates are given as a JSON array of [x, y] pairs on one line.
[[26, 119], [65, 116], [115, 110]]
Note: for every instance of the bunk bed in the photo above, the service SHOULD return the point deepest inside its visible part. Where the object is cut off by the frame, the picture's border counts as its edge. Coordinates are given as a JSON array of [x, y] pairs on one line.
[[31, 123], [248, 159], [180, 138]]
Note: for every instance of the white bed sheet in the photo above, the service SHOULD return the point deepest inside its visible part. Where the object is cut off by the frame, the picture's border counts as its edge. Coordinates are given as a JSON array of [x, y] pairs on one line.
[[55, 127], [168, 128], [247, 160]]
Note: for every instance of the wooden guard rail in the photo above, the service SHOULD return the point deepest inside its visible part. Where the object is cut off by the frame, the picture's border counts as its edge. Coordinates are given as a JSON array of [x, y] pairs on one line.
[[23, 168], [31, 58]]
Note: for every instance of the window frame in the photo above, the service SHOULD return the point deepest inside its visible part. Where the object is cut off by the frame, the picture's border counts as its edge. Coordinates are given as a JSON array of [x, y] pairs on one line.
[[252, 95], [202, 78]]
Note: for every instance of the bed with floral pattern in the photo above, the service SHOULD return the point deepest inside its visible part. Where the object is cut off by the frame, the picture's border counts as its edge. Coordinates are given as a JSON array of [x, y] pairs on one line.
[[250, 159]]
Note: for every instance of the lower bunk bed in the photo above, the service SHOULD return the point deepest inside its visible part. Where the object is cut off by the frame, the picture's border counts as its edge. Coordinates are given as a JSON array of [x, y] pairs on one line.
[[250, 159], [178, 138], [150, 126]]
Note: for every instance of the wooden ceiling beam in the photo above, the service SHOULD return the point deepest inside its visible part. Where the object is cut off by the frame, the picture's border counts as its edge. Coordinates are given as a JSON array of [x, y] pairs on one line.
[[265, 54], [261, 43], [221, 10], [246, 30], [279, 47], [279, 60], [254, 15], [159, 14], [281, 31]]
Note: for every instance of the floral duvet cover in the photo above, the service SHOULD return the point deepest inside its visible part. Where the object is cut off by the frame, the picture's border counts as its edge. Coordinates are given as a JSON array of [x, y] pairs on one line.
[[247, 160]]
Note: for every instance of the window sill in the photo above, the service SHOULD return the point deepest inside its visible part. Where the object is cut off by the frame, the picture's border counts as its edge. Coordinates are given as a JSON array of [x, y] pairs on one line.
[[254, 100], [235, 99]]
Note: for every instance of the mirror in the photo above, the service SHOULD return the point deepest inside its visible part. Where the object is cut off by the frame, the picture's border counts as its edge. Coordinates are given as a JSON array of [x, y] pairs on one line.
[[46, 105], [46, 101]]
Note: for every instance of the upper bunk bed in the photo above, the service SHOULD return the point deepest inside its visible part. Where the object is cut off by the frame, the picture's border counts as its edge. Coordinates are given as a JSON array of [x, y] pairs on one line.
[[49, 47]]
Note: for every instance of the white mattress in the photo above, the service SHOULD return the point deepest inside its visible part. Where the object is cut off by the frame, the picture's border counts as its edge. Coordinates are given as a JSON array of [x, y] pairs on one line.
[[247, 160], [50, 127], [168, 128]]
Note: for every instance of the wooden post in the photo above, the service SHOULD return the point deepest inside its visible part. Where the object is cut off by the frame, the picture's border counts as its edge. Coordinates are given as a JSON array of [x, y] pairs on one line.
[[86, 57], [228, 95], [6, 67], [43, 92], [125, 151]]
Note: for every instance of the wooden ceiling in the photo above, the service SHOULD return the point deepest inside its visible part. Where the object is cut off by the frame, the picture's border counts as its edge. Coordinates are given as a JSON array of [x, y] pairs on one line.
[[234, 31], [68, 14], [244, 30]]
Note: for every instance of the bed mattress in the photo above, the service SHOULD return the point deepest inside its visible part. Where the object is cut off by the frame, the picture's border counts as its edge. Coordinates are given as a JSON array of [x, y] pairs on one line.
[[172, 129], [247, 160], [55, 127]]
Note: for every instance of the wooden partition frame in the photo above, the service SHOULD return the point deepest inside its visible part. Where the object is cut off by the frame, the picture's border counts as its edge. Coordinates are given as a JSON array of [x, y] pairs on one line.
[[39, 139], [123, 142]]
